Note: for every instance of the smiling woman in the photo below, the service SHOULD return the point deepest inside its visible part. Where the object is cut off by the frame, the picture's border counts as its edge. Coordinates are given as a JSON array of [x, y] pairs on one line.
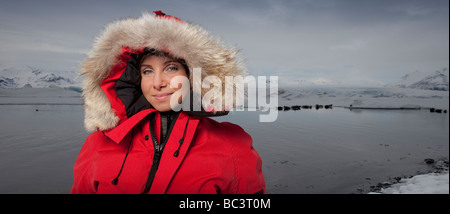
[[140, 144]]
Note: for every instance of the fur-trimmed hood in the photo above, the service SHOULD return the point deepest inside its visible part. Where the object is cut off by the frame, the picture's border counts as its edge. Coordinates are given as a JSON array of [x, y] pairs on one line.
[[111, 51]]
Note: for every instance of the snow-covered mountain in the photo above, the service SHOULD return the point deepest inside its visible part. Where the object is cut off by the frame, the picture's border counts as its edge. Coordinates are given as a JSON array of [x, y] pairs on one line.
[[28, 76], [437, 80]]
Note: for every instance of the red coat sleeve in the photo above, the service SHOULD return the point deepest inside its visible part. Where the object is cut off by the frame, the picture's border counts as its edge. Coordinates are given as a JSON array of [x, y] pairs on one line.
[[82, 172], [247, 162]]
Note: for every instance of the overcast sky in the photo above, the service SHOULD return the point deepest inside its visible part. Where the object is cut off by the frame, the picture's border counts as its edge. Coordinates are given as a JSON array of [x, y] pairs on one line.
[[350, 41]]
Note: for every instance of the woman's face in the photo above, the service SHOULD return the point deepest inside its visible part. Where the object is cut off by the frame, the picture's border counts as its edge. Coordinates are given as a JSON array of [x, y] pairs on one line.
[[156, 74]]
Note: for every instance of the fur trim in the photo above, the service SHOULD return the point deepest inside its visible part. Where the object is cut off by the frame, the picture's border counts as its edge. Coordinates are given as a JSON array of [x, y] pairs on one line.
[[190, 42]]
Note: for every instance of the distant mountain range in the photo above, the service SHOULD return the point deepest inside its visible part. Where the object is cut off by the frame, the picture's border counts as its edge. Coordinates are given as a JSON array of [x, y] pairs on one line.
[[437, 80], [28, 76]]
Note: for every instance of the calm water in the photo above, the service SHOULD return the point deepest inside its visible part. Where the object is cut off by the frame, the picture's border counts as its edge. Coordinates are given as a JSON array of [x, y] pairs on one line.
[[306, 151]]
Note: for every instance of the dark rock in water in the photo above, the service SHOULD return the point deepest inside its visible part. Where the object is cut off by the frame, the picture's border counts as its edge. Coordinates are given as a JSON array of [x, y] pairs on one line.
[[280, 108], [37, 109], [432, 109], [429, 161], [438, 111], [287, 108], [296, 107]]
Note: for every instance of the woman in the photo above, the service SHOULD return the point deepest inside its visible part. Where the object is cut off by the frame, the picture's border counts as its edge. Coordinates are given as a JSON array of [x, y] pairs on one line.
[[140, 144]]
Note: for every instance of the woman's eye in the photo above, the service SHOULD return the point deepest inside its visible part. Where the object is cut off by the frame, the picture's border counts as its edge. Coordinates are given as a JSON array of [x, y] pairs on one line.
[[147, 71], [172, 68]]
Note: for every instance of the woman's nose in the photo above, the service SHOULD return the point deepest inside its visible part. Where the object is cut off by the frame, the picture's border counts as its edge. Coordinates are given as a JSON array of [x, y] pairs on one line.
[[159, 81]]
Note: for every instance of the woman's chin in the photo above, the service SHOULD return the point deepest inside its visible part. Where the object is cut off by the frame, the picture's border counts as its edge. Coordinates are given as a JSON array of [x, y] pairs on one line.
[[162, 107]]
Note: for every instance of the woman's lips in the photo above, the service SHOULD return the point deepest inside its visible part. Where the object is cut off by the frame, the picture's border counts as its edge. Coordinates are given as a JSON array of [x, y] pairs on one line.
[[162, 97]]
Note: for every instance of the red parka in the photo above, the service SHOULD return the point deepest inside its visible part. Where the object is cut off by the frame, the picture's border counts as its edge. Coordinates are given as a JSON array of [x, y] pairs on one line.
[[125, 153], [214, 158]]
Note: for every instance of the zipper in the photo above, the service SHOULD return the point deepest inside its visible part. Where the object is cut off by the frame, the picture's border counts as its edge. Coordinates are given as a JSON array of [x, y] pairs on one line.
[[155, 165], [158, 151]]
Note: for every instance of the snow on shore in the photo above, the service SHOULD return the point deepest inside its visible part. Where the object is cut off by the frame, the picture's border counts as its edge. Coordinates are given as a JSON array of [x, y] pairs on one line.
[[432, 183]]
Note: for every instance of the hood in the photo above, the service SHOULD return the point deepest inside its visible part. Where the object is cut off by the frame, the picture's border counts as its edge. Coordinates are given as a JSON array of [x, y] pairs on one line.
[[122, 39]]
